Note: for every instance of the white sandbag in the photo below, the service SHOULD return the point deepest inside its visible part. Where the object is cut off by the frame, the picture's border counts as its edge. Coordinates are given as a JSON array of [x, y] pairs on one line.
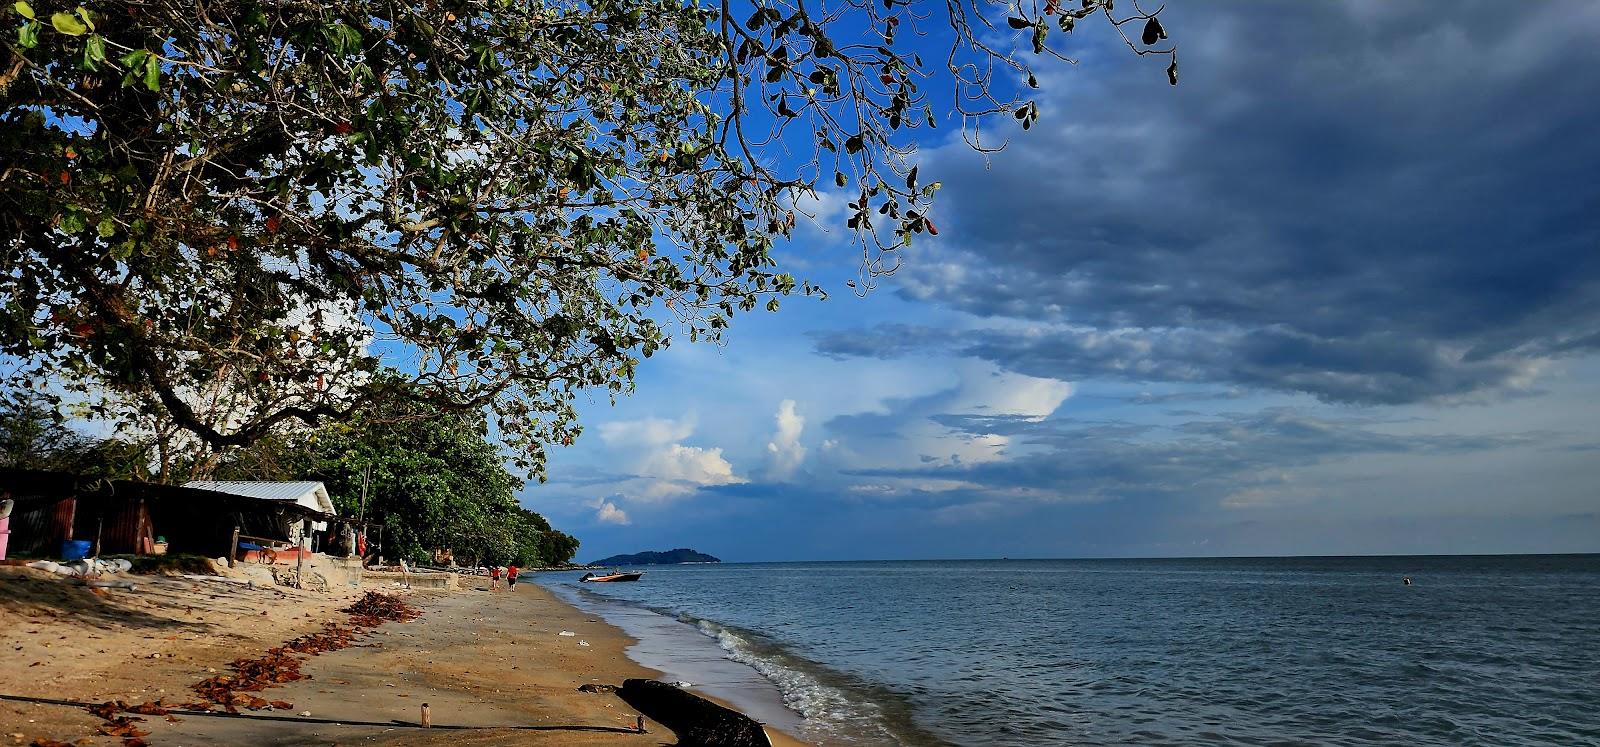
[[48, 566], [128, 585], [123, 565]]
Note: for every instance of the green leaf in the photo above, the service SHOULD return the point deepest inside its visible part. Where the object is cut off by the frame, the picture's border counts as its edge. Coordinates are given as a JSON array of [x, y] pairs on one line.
[[134, 58], [94, 51], [344, 39], [28, 35], [25, 9], [84, 16], [107, 227], [152, 72], [73, 222], [68, 25]]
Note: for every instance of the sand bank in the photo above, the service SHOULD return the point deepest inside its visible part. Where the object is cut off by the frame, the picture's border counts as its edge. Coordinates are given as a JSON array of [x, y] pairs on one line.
[[495, 662]]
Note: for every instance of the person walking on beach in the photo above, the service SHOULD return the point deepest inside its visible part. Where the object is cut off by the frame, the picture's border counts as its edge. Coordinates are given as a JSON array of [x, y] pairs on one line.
[[511, 577], [494, 578]]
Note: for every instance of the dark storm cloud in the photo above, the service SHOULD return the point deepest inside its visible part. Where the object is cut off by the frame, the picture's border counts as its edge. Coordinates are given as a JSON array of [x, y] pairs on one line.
[[1370, 203], [1206, 458]]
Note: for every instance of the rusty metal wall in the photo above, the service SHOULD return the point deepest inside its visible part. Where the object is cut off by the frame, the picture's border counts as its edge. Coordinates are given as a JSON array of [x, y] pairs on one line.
[[123, 525], [39, 529]]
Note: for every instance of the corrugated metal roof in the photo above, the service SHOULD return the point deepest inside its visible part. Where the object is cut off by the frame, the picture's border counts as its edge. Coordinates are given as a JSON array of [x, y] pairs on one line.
[[309, 494]]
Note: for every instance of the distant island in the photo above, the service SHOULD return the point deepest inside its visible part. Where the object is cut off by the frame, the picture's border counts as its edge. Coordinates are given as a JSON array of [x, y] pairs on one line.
[[670, 557]]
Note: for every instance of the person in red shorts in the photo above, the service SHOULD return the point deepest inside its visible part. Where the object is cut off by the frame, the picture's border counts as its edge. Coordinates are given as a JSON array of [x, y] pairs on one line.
[[494, 578], [511, 577]]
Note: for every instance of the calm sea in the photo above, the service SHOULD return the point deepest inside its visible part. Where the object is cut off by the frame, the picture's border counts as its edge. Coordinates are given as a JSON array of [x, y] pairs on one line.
[[1501, 650]]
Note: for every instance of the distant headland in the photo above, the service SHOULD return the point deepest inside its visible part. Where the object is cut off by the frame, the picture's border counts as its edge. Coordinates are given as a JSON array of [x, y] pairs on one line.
[[670, 557]]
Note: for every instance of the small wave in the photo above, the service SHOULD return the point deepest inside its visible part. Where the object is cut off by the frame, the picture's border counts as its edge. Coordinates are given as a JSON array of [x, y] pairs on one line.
[[829, 710], [835, 708]]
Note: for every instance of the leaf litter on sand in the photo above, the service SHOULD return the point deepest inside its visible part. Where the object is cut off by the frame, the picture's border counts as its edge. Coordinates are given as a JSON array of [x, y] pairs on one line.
[[280, 665]]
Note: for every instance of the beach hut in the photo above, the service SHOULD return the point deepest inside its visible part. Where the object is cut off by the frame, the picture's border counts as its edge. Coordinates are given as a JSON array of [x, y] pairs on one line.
[[311, 496], [103, 516]]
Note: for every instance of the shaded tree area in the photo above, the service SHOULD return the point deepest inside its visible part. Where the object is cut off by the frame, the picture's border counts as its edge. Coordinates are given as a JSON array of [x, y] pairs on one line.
[[34, 435], [434, 479]]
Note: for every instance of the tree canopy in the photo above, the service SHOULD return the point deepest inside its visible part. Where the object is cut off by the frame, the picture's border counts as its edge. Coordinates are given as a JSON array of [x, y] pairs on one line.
[[233, 213], [433, 480], [34, 435]]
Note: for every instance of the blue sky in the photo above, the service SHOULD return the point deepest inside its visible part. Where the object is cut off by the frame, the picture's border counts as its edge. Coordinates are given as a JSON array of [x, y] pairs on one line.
[[1338, 292]]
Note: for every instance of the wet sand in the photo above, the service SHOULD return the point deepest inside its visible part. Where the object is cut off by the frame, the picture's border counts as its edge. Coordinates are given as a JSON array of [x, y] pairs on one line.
[[683, 653]]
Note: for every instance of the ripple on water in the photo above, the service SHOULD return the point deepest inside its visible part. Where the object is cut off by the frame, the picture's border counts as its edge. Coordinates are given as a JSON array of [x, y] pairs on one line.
[[1330, 651]]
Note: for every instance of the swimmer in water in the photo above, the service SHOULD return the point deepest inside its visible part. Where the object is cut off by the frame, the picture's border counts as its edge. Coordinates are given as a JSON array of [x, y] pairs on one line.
[[1406, 580]]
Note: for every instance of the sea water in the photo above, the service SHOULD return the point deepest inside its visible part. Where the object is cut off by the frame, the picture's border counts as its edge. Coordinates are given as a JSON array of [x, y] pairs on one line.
[[1496, 650]]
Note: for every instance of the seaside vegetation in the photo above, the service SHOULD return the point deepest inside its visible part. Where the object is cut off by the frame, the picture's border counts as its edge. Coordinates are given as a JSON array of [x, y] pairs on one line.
[[35, 436], [434, 480], [222, 220]]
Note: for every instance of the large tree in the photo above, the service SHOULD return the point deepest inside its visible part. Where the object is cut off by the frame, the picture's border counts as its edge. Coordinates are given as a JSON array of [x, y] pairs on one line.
[[230, 211], [433, 479]]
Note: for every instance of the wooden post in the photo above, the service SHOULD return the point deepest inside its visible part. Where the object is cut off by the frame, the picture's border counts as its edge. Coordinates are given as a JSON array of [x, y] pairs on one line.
[[640, 724], [300, 553], [366, 475], [233, 546], [138, 532], [427, 717]]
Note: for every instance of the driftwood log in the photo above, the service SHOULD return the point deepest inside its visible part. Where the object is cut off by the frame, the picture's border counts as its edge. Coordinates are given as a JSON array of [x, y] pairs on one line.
[[694, 719]]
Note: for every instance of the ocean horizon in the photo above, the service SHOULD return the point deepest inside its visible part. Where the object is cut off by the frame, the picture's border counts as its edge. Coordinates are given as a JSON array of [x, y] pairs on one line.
[[1478, 649], [1132, 557]]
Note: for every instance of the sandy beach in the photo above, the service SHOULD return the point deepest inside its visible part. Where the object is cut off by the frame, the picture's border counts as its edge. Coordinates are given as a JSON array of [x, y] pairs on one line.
[[493, 667]]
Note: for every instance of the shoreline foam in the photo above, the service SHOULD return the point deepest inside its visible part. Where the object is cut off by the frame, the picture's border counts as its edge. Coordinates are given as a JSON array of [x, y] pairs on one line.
[[756, 675]]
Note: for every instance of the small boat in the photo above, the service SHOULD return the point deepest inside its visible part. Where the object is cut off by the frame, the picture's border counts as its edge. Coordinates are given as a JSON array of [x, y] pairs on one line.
[[615, 575]]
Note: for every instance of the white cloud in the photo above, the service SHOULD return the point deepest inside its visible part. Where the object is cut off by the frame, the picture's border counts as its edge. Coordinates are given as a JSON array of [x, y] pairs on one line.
[[784, 451], [909, 433], [607, 512], [1005, 393], [661, 467], [896, 487], [675, 470], [646, 432]]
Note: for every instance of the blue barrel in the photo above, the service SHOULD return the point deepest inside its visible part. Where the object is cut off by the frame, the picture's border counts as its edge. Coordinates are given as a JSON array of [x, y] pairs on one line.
[[76, 549]]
